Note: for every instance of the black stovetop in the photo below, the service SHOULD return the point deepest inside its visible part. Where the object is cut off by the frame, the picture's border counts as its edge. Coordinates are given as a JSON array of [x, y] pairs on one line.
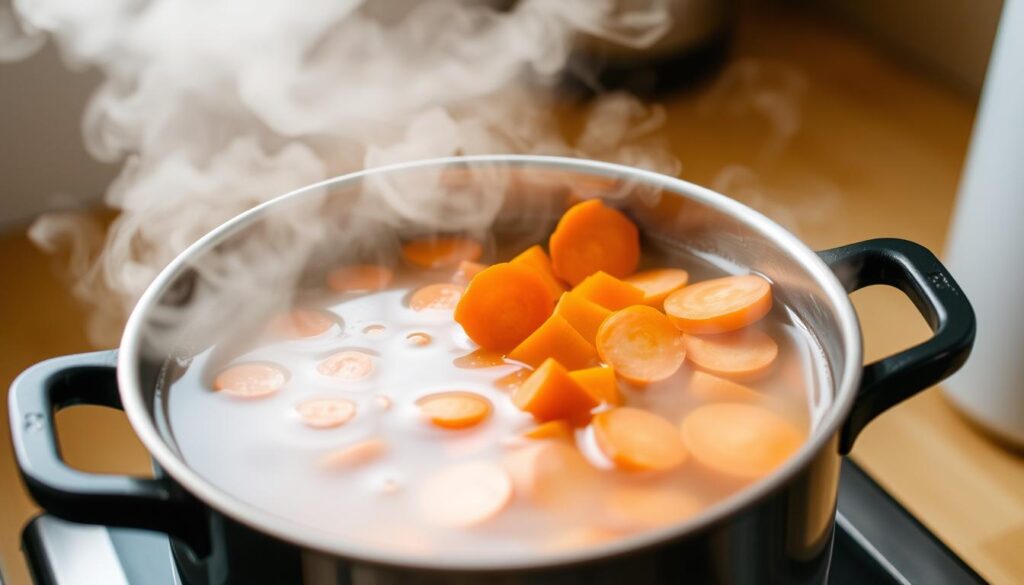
[[877, 542]]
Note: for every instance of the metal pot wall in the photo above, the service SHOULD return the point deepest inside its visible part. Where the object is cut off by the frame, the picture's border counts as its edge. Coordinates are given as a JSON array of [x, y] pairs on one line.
[[778, 530]]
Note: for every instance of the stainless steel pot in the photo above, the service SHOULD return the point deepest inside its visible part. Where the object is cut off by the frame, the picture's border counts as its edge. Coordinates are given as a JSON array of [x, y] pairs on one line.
[[776, 531]]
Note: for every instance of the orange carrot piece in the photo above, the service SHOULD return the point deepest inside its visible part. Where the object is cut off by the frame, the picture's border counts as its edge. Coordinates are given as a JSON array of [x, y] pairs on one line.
[[641, 344], [466, 271], [740, 440], [360, 278], [552, 474], [608, 291], [550, 394], [642, 508], [465, 494], [637, 440], [437, 251], [720, 305], [503, 305], [251, 380], [579, 537], [658, 283], [555, 338], [711, 388], [599, 381], [442, 297], [510, 382], [479, 358], [419, 338], [326, 413], [553, 429], [354, 455], [591, 237], [455, 410], [746, 354], [299, 323], [347, 365], [584, 315], [535, 258]]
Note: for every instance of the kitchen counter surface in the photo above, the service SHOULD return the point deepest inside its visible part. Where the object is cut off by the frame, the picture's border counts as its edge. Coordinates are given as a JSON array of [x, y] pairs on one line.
[[836, 140]]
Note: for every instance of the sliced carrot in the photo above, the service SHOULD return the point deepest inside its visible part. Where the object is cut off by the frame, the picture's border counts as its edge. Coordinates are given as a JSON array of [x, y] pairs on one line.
[[535, 258], [347, 365], [466, 271], [637, 440], [641, 344], [479, 358], [608, 291], [555, 338], [466, 494], [643, 508], [720, 305], [591, 237], [455, 410], [583, 314], [550, 394], [740, 440], [503, 305], [600, 382], [252, 380], [551, 473], [360, 278], [442, 297], [579, 537], [419, 338], [299, 323], [711, 388], [746, 354], [354, 455], [326, 413], [510, 382], [658, 283], [437, 251], [553, 429], [382, 402]]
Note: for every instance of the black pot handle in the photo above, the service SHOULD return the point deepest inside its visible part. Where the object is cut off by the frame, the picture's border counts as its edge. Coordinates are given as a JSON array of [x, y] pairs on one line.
[[113, 500], [913, 269]]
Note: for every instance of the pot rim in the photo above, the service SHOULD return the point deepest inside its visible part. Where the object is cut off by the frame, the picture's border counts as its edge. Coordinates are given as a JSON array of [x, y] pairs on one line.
[[296, 533]]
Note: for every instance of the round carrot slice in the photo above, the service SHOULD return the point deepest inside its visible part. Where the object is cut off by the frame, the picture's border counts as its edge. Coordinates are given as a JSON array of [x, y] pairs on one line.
[[741, 440], [299, 323], [347, 365], [720, 305], [551, 473], [579, 537], [503, 305], [252, 380], [641, 344], [325, 413], [643, 508], [442, 297], [359, 278], [419, 338], [742, 355], [440, 251], [465, 495], [711, 388], [354, 455], [658, 283], [592, 237], [638, 440], [455, 410]]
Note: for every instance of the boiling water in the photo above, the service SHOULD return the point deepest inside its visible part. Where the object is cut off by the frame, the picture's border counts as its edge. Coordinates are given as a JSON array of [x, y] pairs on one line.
[[259, 450]]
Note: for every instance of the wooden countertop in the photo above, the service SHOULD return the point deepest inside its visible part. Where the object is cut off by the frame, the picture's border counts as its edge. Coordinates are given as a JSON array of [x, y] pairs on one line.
[[873, 149]]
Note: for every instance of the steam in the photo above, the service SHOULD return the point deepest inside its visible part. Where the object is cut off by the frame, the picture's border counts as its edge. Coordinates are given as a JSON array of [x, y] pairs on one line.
[[214, 106]]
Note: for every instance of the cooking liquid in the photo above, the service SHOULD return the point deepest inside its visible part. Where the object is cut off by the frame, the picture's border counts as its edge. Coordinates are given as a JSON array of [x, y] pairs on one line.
[[260, 451]]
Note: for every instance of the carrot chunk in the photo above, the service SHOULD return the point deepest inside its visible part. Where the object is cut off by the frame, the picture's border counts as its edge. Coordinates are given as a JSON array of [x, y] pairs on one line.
[[455, 410], [535, 258], [584, 315], [503, 305], [251, 380], [711, 388], [658, 283], [299, 323], [599, 381], [466, 494], [553, 429], [438, 251], [550, 394], [720, 305], [641, 344], [740, 440], [591, 237], [510, 382], [466, 271], [360, 278], [608, 291], [555, 338], [442, 297], [637, 440], [746, 354]]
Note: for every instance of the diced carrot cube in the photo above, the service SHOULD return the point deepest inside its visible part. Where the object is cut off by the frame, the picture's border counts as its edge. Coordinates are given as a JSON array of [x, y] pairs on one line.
[[555, 338], [608, 291], [536, 259], [599, 381], [583, 314], [551, 394]]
